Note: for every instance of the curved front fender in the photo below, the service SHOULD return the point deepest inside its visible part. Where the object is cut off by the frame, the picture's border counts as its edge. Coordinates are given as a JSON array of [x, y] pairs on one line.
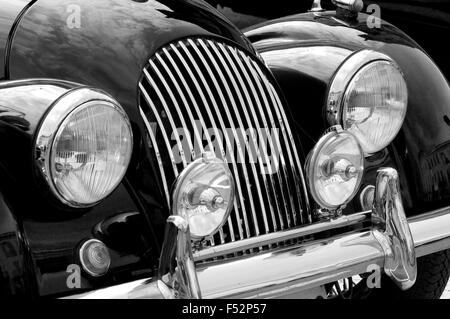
[[304, 51]]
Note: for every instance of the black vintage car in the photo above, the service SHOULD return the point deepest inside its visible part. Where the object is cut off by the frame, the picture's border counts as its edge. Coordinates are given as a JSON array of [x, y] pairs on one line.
[[150, 149]]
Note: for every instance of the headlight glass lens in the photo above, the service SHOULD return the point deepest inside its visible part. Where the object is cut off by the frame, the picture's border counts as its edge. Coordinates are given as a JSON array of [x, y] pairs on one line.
[[204, 195], [374, 105], [335, 168], [90, 152]]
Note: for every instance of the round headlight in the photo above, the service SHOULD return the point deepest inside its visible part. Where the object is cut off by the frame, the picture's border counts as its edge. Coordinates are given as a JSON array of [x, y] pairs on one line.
[[335, 168], [371, 100], [204, 195], [84, 145]]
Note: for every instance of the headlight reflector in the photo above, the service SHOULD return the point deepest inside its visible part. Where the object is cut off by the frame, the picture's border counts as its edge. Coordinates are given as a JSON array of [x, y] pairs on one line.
[[204, 195], [85, 145], [335, 168], [368, 97], [375, 105]]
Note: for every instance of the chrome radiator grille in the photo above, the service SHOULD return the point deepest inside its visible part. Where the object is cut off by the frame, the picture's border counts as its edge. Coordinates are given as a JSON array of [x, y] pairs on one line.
[[210, 93]]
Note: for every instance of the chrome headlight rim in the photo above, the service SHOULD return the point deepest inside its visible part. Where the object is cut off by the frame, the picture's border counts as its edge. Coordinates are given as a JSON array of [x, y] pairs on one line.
[[343, 77], [53, 120], [342, 80], [206, 158], [312, 158]]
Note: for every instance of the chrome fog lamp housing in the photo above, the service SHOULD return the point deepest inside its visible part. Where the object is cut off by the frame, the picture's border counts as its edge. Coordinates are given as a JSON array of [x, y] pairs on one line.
[[83, 147], [203, 194], [368, 96], [334, 169]]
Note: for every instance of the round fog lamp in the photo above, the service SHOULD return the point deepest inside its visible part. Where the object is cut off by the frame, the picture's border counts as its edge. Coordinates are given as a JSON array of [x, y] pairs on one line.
[[204, 195], [94, 257], [335, 168]]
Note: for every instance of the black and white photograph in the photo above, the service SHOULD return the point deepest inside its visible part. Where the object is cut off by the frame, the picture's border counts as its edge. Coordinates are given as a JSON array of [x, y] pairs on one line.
[[224, 149]]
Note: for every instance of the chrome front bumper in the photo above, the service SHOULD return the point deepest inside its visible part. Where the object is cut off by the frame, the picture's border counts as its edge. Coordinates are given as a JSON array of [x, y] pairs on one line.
[[392, 243]]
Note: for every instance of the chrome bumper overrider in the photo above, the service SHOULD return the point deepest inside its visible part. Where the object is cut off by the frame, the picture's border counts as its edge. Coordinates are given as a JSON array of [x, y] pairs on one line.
[[391, 243]]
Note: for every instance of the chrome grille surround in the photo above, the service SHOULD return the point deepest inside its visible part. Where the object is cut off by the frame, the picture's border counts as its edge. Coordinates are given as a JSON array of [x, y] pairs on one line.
[[205, 88]]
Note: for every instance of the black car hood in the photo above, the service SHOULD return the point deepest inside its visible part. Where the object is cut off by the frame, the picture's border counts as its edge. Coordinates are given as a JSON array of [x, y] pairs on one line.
[[112, 42]]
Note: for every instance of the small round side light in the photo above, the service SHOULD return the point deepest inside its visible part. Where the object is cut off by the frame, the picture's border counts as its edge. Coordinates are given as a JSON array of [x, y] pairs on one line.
[[94, 257]]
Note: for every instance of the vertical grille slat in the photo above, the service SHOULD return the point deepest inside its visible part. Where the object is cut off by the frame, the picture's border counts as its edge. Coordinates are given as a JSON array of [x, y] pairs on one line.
[[220, 98], [300, 178], [250, 125], [168, 114], [206, 105], [159, 122], [285, 137], [224, 129], [197, 110], [260, 84], [157, 153], [228, 92], [234, 57], [183, 98], [175, 103], [218, 136], [285, 129]]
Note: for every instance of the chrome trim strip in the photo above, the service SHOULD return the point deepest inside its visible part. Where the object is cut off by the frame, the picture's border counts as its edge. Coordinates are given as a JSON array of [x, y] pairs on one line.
[[431, 231], [158, 155], [282, 236], [139, 289], [169, 116], [163, 131]]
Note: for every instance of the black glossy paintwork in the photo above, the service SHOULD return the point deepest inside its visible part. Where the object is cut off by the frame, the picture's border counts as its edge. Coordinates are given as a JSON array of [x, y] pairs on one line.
[[16, 273], [426, 21], [52, 233], [9, 13], [108, 51], [304, 51], [54, 245]]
